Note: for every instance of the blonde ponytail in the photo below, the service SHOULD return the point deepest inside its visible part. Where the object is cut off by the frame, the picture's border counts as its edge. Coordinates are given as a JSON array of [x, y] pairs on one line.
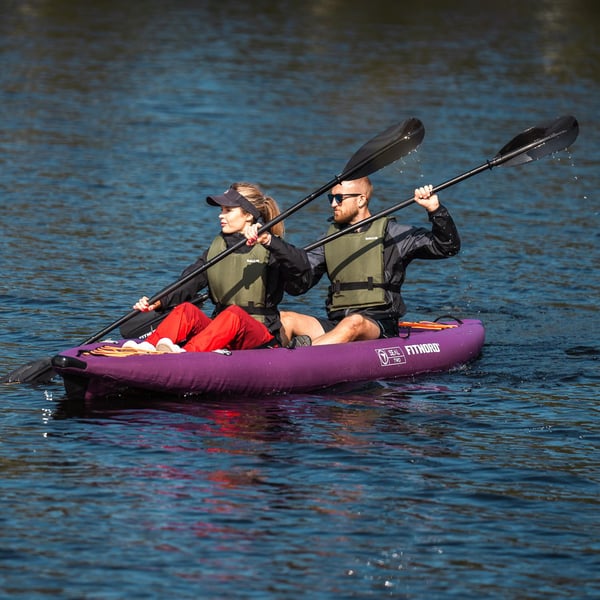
[[266, 205]]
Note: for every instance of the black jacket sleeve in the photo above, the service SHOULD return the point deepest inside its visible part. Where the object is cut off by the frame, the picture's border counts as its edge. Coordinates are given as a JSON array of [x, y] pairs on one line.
[[292, 264], [417, 242]]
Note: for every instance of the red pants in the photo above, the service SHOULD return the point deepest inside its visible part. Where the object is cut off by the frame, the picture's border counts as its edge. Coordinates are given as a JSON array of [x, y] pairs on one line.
[[233, 329]]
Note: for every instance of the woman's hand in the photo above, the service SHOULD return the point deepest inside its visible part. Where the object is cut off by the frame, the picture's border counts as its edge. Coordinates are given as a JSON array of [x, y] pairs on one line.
[[424, 198], [252, 238], [143, 306]]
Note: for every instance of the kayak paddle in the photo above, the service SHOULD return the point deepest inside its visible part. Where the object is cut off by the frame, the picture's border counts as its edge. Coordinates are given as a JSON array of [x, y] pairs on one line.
[[382, 150], [531, 144]]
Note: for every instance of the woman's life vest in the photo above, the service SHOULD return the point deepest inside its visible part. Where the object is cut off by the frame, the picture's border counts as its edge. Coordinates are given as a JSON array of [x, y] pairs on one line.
[[240, 279]]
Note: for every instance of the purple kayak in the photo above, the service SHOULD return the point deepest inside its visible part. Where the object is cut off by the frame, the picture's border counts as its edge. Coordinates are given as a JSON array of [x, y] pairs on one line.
[[89, 374]]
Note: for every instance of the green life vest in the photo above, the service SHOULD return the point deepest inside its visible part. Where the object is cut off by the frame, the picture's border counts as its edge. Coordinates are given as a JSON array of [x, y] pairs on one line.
[[355, 268], [240, 278]]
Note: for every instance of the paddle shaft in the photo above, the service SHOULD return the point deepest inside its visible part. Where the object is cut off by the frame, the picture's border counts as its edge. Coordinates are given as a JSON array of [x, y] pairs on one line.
[[395, 146], [489, 164]]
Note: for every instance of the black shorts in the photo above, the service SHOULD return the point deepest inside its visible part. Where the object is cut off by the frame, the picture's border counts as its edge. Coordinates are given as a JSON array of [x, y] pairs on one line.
[[387, 327]]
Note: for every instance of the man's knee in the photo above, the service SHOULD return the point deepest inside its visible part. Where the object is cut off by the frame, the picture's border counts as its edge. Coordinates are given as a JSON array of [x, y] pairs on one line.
[[354, 322], [358, 327]]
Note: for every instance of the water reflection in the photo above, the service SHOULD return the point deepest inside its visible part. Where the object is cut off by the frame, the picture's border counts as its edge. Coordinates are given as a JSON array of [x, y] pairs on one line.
[[350, 420], [241, 462]]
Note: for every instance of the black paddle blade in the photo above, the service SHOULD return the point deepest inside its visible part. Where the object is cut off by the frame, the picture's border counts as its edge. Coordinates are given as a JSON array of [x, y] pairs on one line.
[[37, 371], [535, 142], [390, 145], [40, 371]]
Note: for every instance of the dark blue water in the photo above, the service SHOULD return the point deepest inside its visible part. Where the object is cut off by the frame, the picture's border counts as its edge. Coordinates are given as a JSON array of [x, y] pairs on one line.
[[116, 120]]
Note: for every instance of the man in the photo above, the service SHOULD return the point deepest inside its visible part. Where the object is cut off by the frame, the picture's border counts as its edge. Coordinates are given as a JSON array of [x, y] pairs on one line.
[[367, 267]]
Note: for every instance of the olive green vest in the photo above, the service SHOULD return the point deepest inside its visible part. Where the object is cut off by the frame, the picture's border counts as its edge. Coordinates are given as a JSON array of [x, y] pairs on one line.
[[239, 279], [355, 268]]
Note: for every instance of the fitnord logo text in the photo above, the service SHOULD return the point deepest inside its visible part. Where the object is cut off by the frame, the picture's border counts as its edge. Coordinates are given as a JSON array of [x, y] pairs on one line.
[[422, 348]]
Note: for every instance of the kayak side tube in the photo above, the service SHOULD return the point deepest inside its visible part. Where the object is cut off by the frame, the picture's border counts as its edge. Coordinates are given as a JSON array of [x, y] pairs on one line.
[[274, 370]]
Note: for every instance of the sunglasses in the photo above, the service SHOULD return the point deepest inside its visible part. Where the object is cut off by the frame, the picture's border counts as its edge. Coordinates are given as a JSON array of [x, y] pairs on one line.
[[339, 198]]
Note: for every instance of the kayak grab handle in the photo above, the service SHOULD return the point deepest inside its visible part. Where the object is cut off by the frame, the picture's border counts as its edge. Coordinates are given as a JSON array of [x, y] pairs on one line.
[[65, 362]]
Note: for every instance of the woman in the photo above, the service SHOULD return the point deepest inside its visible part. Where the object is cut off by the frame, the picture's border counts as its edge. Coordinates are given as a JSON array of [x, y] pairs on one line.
[[246, 286]]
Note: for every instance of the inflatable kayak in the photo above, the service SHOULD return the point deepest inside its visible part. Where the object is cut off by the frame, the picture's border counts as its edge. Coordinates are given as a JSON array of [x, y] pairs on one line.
[[103, 369]]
